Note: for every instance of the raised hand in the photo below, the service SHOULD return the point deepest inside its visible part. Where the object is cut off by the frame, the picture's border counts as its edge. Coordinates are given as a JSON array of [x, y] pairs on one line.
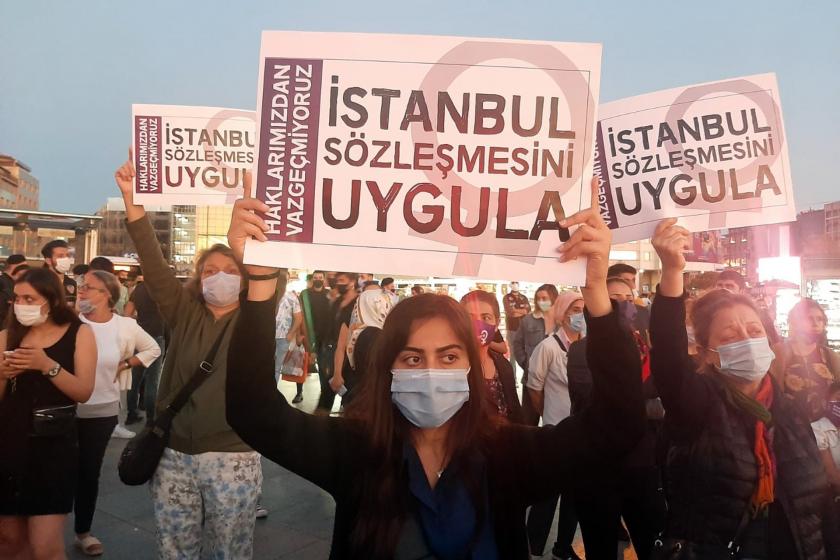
[[591, 240], [670, 242], [124, 177], [244, 223]]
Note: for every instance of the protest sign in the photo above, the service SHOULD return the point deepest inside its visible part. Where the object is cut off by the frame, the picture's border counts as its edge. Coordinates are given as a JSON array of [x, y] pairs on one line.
[[191, 155], [713, 155], [413, 155]]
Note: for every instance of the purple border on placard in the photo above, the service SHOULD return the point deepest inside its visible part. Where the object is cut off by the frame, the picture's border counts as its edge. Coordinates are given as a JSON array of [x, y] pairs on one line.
[[605, 200], [148, 153], [288, 150]]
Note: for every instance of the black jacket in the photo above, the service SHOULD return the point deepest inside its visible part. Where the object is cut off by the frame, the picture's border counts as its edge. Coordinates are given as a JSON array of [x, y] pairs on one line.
[[711, 471], [524, 465], [504, 370]]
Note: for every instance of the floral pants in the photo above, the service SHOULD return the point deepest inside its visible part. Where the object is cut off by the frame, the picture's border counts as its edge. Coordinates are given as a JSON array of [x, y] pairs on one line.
[[205, 504]]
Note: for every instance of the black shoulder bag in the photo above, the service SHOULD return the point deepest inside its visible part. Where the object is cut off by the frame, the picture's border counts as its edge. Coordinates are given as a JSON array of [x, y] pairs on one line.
[[140, 458]]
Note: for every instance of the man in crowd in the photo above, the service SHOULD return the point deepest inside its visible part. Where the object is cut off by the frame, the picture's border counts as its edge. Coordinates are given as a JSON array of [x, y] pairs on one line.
[[417, 289], [7, 285], [315, 307], [342, 308], [145, 380], [516, 306], [732, 281], [57, 258], [628, 273]]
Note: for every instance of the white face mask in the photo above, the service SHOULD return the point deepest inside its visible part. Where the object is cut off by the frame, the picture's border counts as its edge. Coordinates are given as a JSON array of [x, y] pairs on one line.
[[29, 315], [428, 398], [63, 264], [221, 289], [85, 306], [747, 359]]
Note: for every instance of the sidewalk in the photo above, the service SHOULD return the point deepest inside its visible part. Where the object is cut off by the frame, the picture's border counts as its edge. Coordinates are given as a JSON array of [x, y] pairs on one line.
[[299, 524]]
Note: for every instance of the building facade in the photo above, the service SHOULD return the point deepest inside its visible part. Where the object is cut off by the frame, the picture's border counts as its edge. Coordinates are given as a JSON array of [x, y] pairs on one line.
[[114, 240], [19, 189]]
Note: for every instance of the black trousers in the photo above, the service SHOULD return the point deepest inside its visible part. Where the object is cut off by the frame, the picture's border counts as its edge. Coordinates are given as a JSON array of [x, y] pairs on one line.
[[539, 524], [638, 498], [94, 434], [325, 371], [530, 416]]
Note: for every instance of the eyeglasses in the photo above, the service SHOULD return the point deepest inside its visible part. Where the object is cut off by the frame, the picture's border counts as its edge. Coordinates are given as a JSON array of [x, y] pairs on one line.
[[86, 288]]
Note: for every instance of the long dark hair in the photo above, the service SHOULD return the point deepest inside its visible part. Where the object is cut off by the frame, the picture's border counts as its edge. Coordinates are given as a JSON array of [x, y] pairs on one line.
[[383, 506], [45, 282]]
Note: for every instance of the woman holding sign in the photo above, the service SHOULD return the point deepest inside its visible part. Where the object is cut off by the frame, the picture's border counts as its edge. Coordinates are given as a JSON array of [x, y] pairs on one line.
[[206, 485], [420, 466], [744, 475]]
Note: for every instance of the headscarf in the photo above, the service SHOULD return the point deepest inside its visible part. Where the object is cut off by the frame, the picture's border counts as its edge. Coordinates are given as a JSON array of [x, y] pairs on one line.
[[372, 306], [563, 302]]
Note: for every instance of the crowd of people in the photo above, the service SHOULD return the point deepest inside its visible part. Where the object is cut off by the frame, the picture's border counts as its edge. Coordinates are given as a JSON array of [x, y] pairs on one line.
[[681, 423]]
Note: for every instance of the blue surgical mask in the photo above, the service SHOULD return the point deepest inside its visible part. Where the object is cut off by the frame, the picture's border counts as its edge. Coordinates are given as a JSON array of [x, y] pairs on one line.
[[577, 323], [221, 289], [544, 305], [747, 359], [428, 398]]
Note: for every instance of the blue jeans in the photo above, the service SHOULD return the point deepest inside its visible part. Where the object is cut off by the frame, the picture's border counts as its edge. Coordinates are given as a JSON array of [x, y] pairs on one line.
[[281, 346], [149, 377]]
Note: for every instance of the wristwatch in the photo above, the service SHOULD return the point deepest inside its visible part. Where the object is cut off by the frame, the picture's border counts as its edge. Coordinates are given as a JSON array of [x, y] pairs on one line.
[[53, 371]]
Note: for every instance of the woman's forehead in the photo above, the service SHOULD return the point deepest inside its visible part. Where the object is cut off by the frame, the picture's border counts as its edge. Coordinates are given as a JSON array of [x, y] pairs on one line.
[[431, 333]]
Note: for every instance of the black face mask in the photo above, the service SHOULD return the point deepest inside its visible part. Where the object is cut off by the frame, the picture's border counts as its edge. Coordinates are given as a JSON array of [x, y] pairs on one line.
[[342, 288], [318, 284], [331, 283]]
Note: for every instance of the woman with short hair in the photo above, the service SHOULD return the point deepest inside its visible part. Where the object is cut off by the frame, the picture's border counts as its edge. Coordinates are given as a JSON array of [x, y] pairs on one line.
[[744, 475], [120, 345]]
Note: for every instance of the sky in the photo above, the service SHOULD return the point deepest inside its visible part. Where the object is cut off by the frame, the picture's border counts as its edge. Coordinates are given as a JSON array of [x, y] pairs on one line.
[[71, 70]]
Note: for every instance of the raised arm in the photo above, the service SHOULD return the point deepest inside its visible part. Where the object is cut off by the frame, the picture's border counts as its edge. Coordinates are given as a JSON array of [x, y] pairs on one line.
[[310, 446], [163, 286], [685, 394], [557, 457]]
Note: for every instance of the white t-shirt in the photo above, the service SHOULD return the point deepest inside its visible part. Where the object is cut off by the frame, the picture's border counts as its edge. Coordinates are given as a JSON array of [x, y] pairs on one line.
[[105, 388], [828, 437], [547, 372], [289, 305]]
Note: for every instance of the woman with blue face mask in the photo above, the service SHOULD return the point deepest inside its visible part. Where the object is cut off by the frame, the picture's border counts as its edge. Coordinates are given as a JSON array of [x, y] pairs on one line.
[[208, 480], [744, 472], [420, 466]]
